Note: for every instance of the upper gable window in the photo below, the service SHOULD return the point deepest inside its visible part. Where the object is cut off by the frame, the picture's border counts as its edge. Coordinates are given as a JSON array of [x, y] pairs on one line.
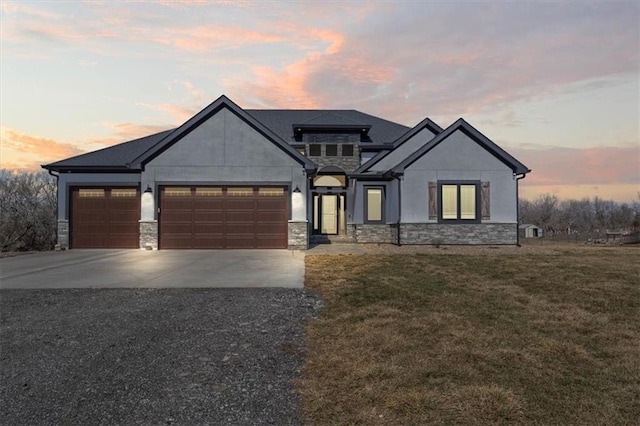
[[315, 150], [331, 150], [347, 150]]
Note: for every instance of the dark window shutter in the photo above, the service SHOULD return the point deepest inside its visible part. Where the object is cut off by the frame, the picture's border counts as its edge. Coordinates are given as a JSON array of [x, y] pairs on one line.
[[485, 199], [433, 201], [314, 150]]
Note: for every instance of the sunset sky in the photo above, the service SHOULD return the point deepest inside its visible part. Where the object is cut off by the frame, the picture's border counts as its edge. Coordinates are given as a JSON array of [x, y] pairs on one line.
[[554, 83]]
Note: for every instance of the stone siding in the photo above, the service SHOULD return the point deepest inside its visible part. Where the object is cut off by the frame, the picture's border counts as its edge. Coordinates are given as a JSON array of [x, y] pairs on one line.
[[374, 233], [472, 234], [63, 235], [149, 234], [298, 236], [348, 164]]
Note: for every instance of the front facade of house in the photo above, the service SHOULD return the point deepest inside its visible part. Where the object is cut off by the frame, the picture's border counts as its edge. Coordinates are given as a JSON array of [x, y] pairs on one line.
[[234, 178]]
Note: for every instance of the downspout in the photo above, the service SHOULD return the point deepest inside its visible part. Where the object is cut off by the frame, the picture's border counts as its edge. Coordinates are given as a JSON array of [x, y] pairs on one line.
[[57, 176], [518, 178], [399, 211]]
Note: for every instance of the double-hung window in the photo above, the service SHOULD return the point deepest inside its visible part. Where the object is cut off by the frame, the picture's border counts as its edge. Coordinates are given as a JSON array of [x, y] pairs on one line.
[[459, 201]]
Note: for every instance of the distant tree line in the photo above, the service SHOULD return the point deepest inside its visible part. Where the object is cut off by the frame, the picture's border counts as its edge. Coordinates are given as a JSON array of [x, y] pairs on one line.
[[586, 217], [27, 211]]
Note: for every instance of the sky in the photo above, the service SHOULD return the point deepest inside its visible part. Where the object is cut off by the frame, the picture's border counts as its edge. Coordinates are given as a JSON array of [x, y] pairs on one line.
[[555, 83]]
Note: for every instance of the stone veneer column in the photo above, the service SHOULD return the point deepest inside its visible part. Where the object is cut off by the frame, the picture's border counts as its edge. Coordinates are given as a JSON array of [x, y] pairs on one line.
[[298, 235], [149, 234], [63, 235]]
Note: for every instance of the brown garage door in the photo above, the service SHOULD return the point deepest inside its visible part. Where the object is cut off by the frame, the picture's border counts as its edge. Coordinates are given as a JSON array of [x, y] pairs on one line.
[[223, 217], [105, 218]]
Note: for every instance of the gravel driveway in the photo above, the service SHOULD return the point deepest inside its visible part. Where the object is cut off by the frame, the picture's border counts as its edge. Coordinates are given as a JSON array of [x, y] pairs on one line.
[[151, 356]]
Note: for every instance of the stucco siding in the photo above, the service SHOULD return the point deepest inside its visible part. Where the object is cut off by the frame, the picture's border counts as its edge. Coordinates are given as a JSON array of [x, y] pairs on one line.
[[67, 180], [226, 150], [391, 201], [224, 140], [458, 158], [396, 156]]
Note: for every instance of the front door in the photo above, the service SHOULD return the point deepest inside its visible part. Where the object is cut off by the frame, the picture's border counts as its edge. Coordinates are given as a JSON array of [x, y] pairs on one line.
[[329, 219]]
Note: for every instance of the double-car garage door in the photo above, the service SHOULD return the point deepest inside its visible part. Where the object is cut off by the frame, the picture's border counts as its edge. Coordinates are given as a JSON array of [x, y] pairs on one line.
[[189, 217], [223, 217]]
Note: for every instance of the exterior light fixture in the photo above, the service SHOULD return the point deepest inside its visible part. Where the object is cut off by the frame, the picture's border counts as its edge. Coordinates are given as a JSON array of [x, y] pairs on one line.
[[148, 190], [297, 190]]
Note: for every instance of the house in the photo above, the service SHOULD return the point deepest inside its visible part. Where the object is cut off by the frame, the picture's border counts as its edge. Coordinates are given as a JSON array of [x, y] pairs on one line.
[[528, 230], [236, 178]]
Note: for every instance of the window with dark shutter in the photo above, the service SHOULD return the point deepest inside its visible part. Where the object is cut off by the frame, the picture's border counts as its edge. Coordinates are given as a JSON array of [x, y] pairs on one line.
[[331, 150], [315, 150]]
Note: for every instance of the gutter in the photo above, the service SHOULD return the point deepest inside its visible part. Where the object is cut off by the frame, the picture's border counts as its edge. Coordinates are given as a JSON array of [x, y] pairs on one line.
[[399, 210], [519, 177]]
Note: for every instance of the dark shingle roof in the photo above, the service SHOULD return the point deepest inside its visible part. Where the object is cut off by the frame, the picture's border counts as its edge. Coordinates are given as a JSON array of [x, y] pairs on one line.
[[117, 156], [280, 122]]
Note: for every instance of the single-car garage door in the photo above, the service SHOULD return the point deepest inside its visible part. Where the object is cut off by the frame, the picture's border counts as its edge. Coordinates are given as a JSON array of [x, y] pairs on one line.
[[223, 217], [105, 218]]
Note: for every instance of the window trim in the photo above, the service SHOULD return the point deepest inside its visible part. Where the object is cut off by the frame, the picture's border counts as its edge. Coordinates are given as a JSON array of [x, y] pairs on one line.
[[478, 202], [382, 204]]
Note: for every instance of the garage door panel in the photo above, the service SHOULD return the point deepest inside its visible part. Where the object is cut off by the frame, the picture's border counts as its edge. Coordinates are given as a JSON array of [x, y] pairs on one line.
[[234, 203], [105, 217], [239, 217], [209, 216], [268, 203], [212, 203], [178, 228], [224, 217], [208, 229], [270, 217]]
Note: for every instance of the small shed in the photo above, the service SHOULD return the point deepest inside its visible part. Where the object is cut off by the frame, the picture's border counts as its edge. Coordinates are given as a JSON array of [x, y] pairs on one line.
[[528, 230]]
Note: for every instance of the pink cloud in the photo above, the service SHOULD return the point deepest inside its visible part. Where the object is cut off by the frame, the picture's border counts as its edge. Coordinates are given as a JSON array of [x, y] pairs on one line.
[[16, 144], [123, 132]]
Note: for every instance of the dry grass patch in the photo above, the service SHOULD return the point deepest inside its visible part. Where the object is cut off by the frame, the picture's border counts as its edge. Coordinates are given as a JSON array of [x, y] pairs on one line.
[[476, 338]]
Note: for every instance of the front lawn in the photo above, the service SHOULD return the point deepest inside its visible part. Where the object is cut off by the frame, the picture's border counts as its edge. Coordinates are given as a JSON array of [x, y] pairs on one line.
[[477, 338]]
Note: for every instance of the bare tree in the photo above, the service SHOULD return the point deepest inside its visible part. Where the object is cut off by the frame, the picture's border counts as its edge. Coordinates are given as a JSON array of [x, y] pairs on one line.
[[579, 216], [27, 211]]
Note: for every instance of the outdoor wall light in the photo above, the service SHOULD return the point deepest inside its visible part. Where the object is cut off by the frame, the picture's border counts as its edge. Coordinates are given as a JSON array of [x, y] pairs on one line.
[[148, 190], [297, 190]]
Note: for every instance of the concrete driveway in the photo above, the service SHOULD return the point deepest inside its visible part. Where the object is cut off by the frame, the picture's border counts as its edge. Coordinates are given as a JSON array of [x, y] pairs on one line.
[[153, 269]]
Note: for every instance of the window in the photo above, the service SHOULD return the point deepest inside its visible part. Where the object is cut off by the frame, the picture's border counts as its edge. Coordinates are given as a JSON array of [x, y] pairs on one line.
[[374, 204], [240, 192], [123, 193], [208, 192], [91, 193], [315, 150], [347, 150], [270, 192], [300, 150], [177, 192], [332, 150], [459, 202]]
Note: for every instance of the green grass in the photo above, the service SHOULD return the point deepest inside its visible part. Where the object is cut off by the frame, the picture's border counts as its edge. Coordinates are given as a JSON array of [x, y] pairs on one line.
[[475, 339]]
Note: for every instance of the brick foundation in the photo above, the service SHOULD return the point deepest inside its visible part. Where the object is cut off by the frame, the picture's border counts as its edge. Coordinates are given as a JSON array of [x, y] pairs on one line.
[[436, 233], [149, 234], [298, 235]]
